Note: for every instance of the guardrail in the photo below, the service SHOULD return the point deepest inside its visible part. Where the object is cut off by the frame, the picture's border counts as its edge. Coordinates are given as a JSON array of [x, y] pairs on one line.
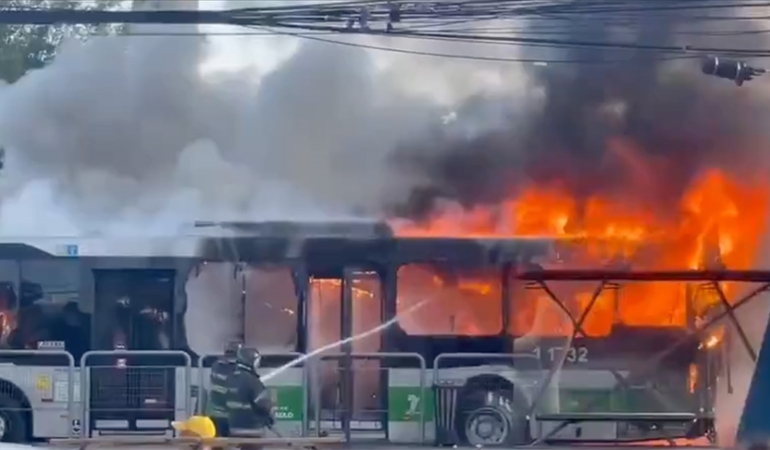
[[119, 364], [382, 356], [300, 381]]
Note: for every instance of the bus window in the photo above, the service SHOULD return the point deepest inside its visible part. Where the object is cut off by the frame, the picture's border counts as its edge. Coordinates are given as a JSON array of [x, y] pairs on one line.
[[452, 301], [270, 309], [255, 304], [8, 312], [367, 312], [534, 313], [9, 278], [325, 311], [49, 314], [214, 303], [134, 308]]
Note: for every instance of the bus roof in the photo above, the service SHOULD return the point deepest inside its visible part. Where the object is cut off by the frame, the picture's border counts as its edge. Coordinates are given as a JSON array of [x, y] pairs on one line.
[[334, 242]]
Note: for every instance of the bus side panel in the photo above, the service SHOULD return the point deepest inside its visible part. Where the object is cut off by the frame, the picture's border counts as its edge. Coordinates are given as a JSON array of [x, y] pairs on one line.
[[46, 390], [288, 393], [405, 402]]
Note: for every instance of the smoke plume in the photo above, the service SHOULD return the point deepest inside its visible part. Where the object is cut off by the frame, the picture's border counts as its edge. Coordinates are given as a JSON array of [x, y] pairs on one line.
[[647, 123], [138, 134], [645, 126], [131, 133]]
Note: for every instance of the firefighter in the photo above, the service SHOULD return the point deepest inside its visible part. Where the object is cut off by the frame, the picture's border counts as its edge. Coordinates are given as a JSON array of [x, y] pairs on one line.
[[221, 371], [248, 400]]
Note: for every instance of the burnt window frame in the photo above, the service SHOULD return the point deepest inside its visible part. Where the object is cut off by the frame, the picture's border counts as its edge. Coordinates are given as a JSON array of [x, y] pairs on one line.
[[502, 271]]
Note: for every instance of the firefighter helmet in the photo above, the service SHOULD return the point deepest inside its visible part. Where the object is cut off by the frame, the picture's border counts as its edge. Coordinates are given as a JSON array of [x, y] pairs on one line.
[[231, 349], [249, 358]]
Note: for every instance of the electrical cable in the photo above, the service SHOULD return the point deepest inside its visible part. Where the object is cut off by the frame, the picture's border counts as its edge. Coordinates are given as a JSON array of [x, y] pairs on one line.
[[425, 20], [555, 43], [534, 61]]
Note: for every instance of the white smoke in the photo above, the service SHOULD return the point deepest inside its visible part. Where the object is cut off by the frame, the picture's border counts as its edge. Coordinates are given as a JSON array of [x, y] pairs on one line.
[[143, 133]]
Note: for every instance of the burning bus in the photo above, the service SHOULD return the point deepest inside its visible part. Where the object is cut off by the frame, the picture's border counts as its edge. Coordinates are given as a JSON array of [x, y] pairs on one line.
[[718, 222], [483, 347]]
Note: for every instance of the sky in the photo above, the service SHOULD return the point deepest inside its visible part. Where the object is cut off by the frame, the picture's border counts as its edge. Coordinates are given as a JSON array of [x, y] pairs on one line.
[[260, 55], [118, 130]]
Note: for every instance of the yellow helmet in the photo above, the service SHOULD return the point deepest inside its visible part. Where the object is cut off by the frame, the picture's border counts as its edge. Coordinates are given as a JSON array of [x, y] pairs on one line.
[[197, 426]]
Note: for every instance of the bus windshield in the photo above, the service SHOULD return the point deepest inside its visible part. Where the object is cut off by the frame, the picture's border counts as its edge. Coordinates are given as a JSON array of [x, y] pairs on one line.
[[459, 301]]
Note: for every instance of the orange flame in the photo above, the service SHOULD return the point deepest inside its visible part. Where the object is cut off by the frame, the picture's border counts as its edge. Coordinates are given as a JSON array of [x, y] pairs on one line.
[[719, 221]]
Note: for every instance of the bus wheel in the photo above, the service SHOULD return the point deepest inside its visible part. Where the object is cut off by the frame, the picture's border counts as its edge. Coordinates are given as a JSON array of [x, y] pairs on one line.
[[13, 425], [487, 426], [496, 424]]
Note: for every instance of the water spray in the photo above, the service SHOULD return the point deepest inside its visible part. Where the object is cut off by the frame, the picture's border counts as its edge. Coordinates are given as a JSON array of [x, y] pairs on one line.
[[353, 338]]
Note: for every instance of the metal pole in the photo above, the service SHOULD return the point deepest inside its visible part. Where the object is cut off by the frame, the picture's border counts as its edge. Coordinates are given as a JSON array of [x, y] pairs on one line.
[[506, 306], [346, 331]]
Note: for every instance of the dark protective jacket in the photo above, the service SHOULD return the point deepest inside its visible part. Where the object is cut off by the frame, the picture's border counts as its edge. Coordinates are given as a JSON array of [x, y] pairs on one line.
[[221, 371], [248, 401]]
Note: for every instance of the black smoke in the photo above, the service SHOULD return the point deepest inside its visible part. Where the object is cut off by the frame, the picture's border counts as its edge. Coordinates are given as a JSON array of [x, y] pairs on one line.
[[619, 120]]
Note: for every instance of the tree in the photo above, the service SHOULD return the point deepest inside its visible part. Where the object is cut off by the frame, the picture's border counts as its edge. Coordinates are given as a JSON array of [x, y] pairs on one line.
[[28, 47]]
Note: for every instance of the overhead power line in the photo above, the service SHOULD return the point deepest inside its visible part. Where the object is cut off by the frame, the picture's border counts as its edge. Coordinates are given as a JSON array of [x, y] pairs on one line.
[[534, 61], [433, 21], [558, 43], [380, 9]]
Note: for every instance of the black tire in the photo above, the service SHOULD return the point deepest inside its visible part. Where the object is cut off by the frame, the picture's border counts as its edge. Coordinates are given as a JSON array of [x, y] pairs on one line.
[[16, 426], [494, 407]]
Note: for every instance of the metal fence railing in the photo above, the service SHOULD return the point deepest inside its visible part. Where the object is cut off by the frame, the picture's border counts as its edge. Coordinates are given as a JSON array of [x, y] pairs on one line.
[[366, 382], [327, 393], [113, 386], [134, 389], [51, 395]]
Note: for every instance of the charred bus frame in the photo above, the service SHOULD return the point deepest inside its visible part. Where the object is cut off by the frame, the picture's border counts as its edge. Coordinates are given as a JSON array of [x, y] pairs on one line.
[[347, 252], [702, 420]]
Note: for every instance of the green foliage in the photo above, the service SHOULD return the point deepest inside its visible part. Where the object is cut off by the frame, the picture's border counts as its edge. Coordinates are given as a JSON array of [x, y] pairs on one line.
[[28, 47]]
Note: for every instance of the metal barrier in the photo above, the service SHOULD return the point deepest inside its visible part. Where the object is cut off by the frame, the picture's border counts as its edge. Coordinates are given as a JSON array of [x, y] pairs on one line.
[[130, 379], [382, 356], [447, 390], [42, 385], [283, 390]]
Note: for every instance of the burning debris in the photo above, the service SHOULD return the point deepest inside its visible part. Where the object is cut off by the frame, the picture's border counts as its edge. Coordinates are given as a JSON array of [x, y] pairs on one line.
[[718, 222]]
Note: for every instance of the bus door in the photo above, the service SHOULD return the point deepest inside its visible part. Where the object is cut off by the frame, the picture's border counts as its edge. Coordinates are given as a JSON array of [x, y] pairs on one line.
[[133, 310], [349, 389]]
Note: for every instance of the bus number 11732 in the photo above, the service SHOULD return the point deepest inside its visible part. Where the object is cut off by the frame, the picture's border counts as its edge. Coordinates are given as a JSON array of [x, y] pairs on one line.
[[577, 355]]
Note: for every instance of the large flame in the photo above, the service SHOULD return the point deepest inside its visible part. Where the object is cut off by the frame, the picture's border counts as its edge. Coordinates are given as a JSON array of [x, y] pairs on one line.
[[718, 221]]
